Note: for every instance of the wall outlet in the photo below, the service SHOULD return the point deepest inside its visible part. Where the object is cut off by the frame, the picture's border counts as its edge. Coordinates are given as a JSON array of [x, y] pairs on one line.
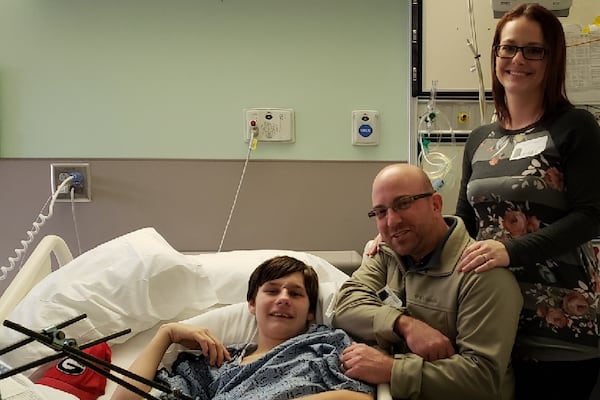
[[82, 185], [269, 124]]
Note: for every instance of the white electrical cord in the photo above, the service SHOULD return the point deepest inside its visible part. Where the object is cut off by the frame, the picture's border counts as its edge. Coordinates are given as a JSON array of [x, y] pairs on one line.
[[75, 219], [237, 192], [37, 224]]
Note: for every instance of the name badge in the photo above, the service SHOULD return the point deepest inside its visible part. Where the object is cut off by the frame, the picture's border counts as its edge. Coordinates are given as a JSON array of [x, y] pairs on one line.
[[529, 148], [387, 296]]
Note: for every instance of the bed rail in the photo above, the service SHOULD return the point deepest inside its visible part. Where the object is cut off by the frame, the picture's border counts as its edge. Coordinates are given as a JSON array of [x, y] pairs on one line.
[[37, 266]]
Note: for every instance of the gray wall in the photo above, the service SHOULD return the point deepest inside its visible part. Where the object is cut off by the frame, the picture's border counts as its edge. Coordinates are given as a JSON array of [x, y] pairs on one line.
[[296, 205]]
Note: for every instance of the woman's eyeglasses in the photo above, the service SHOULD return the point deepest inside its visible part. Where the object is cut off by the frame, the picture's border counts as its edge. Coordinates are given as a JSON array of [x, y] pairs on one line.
[[529, 52]]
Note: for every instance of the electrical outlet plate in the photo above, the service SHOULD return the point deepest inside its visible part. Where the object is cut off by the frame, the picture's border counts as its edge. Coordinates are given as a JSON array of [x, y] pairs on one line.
[[60, 171], [271, 124]]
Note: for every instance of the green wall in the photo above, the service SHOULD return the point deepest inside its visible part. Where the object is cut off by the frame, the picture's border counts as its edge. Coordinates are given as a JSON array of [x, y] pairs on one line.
[[169, 78]]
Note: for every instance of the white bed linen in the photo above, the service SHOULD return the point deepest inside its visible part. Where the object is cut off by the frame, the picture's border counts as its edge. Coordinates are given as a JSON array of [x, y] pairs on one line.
[[19, 387]]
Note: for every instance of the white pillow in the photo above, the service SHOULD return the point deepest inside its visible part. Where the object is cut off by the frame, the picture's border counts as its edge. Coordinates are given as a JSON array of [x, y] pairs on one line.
[[229, 271], [133, 281]]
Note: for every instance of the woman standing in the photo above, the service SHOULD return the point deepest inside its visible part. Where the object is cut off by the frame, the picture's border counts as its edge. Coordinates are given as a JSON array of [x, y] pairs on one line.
[[530, 195]]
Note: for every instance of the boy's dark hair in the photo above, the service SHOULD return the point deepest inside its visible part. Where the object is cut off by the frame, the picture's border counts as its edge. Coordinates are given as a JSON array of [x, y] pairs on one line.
[[278, 267]]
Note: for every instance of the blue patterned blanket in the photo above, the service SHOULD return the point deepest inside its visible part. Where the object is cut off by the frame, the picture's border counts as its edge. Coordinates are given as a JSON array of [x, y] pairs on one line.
[[306, 364]]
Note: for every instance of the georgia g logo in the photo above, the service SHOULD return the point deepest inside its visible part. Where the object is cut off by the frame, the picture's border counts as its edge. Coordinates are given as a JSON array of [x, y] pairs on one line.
[[70, 367]]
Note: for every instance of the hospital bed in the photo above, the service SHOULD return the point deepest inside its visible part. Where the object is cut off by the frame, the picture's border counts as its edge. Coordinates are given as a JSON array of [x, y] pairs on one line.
[[138, 281]]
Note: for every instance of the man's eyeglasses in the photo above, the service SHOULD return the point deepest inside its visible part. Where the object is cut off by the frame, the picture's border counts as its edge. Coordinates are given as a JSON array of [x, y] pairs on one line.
[[529, 52], [399, 203]]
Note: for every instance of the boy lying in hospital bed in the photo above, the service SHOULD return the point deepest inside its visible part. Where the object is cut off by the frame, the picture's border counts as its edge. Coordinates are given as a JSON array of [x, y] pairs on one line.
[[290, 358]]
